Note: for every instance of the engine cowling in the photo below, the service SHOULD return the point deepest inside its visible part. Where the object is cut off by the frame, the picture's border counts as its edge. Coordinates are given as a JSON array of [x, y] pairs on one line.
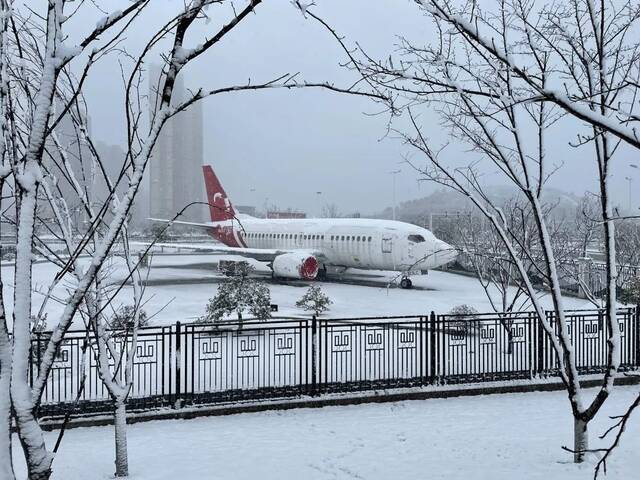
[[295, 265]]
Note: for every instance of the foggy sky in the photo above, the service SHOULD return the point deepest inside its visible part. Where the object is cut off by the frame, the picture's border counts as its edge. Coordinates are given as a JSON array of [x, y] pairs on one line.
[[281, 147]]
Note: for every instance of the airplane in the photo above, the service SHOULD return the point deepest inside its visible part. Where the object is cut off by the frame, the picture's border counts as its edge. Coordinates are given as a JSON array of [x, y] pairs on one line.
[[309, 248]]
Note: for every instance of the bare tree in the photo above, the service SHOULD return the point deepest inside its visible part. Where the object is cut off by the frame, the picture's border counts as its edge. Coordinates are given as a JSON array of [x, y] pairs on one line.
[[588, 220], [6, 465], [628, 250], [43, 73], [497, 274], [330, 210], [494, 75]]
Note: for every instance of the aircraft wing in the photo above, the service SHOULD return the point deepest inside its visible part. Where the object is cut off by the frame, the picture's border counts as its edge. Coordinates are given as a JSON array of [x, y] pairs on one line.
[[260, 254], [180, 222]]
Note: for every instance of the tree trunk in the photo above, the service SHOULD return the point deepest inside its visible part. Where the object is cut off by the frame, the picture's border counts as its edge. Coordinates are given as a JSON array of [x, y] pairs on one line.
[[31, 438], [509, 340], [580, 439], [6, 462], [36, 455], [120, 422], [239, 321]]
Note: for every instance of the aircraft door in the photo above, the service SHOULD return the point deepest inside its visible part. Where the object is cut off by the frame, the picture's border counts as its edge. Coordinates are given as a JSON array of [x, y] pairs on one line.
[[387, 244]]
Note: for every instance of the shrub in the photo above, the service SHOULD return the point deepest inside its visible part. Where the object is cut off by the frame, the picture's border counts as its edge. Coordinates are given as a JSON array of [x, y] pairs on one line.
[[465, 317], [314, 300], [123, 318]]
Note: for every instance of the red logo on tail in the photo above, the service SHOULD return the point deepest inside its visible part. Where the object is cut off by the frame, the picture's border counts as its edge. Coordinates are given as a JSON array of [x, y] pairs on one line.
[[219, 205]]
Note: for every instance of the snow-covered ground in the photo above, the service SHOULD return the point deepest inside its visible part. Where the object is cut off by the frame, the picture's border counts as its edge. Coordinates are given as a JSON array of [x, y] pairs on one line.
[[180, 285], [496, 437]]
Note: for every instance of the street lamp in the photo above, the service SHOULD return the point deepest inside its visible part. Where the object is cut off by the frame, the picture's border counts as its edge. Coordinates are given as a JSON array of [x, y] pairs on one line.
[[394, 173], [629, 179], [319, 203]]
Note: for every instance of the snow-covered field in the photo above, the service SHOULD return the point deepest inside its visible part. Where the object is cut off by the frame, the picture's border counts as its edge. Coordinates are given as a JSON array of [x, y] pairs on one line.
[[496, 437], [180, 285]]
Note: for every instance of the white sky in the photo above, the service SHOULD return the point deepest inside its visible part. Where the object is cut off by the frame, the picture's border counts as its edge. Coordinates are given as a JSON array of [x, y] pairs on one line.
[[282, 147]]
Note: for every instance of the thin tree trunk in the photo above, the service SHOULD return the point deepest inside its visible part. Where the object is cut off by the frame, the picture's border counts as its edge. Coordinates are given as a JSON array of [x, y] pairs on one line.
[[37, 457], [580, 439], [6, 462], [120, 422]]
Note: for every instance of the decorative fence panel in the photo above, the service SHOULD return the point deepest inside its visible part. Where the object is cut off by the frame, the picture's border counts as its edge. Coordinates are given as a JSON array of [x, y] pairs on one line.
[[197, 364]]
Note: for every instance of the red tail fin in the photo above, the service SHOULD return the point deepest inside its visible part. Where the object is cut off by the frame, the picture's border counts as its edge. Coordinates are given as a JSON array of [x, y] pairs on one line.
[[219, 204]]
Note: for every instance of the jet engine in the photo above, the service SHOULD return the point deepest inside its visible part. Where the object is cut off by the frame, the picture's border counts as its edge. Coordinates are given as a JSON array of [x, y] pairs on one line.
[[295, 265]]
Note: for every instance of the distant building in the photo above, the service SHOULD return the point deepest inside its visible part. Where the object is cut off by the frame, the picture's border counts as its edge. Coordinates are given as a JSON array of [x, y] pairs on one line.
[[176, 164], [113, 157], [80, 171], [285, 214], [246, 209]]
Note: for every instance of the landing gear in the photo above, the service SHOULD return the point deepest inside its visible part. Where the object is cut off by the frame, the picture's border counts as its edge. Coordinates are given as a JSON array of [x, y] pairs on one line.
[[406, 283], [322, 274]]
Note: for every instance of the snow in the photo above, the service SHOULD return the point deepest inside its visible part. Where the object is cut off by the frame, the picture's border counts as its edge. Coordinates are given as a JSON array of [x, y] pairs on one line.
[[181, 54], [496, 437], [181, 285], [108, 19]]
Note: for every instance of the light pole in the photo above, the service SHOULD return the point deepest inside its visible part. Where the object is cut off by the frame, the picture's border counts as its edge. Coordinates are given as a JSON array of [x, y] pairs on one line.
[[319, 194], [629, 179], [394, 173]]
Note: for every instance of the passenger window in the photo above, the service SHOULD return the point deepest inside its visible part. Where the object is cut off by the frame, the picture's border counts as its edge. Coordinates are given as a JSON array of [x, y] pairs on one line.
[[369, 238]]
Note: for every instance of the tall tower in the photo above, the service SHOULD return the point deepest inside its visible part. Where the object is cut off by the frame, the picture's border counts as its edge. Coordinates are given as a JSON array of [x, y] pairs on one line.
[[175, 170]]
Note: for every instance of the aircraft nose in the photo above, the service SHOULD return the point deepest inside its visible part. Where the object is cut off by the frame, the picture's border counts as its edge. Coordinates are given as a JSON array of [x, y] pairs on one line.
[[446, 253]]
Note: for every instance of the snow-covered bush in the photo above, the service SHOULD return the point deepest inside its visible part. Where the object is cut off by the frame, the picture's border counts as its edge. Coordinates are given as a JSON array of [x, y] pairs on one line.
[[630, 294], [39, 336], [465, 317], [314, 300], [123, 318], [239, 294]]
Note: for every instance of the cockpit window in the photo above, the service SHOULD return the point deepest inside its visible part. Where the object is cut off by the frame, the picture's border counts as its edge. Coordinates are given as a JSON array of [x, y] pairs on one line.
[[416, 238]]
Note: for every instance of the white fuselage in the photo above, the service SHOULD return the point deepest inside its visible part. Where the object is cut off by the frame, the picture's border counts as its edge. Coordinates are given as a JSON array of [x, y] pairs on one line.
[[346, 242]]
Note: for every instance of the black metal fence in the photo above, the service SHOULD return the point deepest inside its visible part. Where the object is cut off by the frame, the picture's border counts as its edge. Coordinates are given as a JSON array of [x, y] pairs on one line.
[[196, 364]]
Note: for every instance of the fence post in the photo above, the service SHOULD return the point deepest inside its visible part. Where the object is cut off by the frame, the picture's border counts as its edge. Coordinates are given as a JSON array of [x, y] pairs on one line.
[[531, 348], [314, 356], [433, 368], [540, 343], [422, 332], [178, 360], [636, 330]]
